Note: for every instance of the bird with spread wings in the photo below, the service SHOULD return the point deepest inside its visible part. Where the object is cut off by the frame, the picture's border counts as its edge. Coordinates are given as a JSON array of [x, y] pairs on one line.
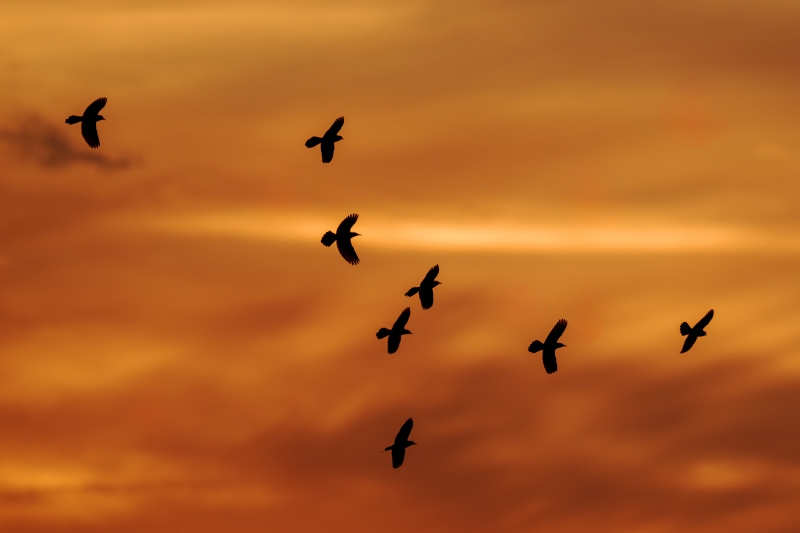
[[343, 237], [549, 346], [692, 333], [401, 442], [425, 288], [91, 116], [327, 141], [398, 330]]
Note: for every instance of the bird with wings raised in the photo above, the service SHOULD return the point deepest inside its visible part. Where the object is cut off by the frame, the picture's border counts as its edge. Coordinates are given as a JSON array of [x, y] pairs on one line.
[[327, 141], [549, 346], [692, 333], [343, 237], [398, 330], [91, 116], [401, 442], [425, 288]]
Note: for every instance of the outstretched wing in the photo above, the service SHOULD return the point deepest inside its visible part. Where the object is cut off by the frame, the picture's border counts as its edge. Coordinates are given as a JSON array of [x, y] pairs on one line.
[[335, 127], [556, 332], [549, 360], [345, 246], [327, 151], [398, 454], [402, 320], [346, 226], [705, 320], [426, 297], [405, 431], [431, 275], [95, 107], [688, 343], [89, 132]]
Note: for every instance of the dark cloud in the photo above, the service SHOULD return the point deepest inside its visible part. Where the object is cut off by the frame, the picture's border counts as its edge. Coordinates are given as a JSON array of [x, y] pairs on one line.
[[35, 139]]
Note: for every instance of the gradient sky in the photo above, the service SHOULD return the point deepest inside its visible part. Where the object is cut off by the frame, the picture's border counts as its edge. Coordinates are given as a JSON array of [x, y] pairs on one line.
[[178, 352]]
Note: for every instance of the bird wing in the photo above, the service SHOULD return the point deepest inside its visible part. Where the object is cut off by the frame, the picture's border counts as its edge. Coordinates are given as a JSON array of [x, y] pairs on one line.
[[335, 127], [688, 343], [327, 151], [556, 332], [405, 431], [426, 297], [431, 275], [346, 225], [89, 132], [394, 343], [549, 360], [95, 107], [402, 320], [398, 454], [704, 321], [347, 251]]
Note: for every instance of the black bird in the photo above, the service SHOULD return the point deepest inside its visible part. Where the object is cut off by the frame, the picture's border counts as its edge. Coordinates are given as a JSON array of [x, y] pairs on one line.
[[425, 288], [89, 122], [342, 239], [326, 142], [397, 331], [691, 334], [401, 442], [549, 346]]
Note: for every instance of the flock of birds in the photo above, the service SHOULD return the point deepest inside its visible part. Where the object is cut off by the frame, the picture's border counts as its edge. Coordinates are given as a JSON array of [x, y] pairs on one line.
[[343, 237]]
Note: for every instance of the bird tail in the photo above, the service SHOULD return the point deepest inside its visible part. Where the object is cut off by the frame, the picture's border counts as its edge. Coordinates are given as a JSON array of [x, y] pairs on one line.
[[535, 346], [412, 291], [329, 238], [685, 329], [73, 119], [383, 333], [312, 142]]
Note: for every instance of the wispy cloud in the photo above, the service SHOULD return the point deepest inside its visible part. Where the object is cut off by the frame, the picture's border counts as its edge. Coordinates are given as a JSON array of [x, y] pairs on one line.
[[501, 236], [35, 139]]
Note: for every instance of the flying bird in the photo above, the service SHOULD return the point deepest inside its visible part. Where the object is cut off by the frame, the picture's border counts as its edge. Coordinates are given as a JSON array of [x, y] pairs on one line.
[[549, 346], [326, 142], [401, 442], [342, 239], [691, 334], [397, 331], [89, 122], [425, 288]]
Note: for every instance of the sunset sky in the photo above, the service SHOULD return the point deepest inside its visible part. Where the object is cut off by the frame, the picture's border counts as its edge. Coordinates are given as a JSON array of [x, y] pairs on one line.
[[179, 353]]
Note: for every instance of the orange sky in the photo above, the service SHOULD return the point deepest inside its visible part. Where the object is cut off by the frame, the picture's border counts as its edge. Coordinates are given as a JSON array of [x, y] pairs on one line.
[[178, 352]]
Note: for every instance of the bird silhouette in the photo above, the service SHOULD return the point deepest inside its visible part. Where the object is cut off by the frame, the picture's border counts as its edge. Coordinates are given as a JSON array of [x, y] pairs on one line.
[[397, 331], [342, 239], [326, 141], [425, 288], [401, 442], [691, 334], [89, 122], [549, 346]]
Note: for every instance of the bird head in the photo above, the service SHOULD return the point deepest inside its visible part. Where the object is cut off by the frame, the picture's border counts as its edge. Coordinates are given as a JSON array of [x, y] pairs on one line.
[[410, 443], [100, 117], [354, 234], [406, 332], [435, 283], [559, 345]]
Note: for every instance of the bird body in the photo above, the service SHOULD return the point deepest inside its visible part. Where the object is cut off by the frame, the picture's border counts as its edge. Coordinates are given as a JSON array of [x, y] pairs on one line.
[[692, 333], [425, 289], [401, 442], [327, 141], [91, 116], [398, 330], [549, 346], [342, 238]]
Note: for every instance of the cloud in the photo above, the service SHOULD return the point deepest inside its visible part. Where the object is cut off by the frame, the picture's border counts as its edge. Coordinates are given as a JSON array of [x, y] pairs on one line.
[[34, 139]]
